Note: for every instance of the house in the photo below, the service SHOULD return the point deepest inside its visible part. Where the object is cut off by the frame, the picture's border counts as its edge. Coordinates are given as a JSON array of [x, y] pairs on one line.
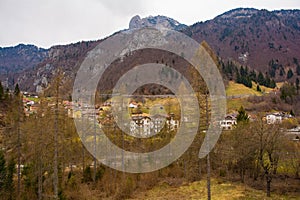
[[145, 125], [173, 124], [229, 122], [277, 118], [30, 103], [133, 105], [33, 108], [158, 122], [294, 134]]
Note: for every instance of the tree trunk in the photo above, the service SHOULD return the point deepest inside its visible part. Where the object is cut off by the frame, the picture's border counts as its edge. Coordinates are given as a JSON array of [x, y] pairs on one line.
[[208, 178], [269, 179], [19, 145], [208, 147], [200, 169], [83, 159], [256, 172], [55, 162], [242, 174]]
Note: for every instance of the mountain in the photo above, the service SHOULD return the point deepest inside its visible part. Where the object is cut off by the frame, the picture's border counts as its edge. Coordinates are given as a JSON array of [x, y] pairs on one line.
[[259, 39], [64, 59], [19, 58], [157, 21], [253, 37]]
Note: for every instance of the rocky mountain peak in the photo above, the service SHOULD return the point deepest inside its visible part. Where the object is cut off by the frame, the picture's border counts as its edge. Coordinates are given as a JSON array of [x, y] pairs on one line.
[[156, 21]]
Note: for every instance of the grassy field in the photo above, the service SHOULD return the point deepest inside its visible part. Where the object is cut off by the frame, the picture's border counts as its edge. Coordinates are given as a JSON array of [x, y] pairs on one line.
[[234, 104], [237, 94], [236, 89], [220, 190]]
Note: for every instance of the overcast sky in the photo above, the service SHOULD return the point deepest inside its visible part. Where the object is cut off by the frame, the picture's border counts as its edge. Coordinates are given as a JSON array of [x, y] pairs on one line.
[[49, 22]]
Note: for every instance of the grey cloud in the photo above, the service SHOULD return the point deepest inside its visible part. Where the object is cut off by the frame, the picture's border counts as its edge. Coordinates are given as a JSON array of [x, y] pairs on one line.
[[124, 7]]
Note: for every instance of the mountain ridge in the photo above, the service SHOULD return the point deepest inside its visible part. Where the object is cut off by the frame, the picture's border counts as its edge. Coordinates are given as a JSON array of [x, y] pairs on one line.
[[249, 36]]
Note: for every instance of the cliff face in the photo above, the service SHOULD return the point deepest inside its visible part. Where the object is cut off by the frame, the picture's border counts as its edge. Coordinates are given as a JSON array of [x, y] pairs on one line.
[[157, 21]]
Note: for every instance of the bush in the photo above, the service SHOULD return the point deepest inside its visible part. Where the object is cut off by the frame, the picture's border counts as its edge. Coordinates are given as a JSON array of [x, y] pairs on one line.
[[222, 172], [87, 174]]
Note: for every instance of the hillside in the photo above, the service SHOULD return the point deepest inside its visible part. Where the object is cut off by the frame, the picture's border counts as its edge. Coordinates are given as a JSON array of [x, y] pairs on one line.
[[239, 90], [253, 37], [17, 59], [20, 57], [262, 40]]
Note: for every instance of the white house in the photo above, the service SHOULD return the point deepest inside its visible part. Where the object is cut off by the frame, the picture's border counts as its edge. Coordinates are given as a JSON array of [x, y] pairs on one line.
[[274, 118], [133, 105], [229, 122], [151, 125]]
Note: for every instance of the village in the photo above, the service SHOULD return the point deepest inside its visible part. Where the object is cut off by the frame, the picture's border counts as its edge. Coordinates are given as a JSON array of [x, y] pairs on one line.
[[145, 124]]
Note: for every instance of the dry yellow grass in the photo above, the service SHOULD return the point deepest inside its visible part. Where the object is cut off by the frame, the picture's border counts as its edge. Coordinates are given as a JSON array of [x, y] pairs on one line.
[[220, 190], [235, 89], [234, 104], [237, 94]]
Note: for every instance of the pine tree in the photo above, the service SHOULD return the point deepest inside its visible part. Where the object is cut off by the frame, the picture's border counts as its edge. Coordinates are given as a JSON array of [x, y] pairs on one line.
[[258, 88], [18, 99], [267, 81], [261, 79], [298, 66], [246, 71], [242, 71], [1, 91], [252, 76], [247, 82], [238, 78], [292, 113], [298, 70], [297, 85], [9, 182], [272, 84], [6, 94], [290, 74], [281, 73], [17, 90], [242, 115], [2, 173], [287, 90]]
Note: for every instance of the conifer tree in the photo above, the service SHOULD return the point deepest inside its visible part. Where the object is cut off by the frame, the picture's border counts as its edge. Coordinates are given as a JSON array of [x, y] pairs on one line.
[[9, 182], [17, 90], [261, 79], [290, 74], [258, 88], [297, 85], [298, 70], [2, 172], [1, 91], [242, 115]]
